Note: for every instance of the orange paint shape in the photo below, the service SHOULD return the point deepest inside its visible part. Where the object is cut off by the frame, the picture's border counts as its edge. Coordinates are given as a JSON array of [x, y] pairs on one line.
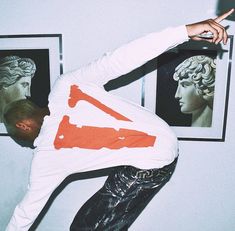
[[89, 137], [76, 94]]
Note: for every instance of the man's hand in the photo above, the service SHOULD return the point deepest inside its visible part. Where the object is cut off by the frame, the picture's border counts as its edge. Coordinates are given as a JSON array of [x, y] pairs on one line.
[[211, 27]]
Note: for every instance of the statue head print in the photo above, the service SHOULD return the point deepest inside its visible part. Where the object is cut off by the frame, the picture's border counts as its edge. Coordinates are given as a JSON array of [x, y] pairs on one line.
[[196, 84], [15, 79]]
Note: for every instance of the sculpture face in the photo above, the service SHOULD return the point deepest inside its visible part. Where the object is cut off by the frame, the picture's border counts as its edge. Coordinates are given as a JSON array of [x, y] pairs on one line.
[[189, 99], [19, 90]]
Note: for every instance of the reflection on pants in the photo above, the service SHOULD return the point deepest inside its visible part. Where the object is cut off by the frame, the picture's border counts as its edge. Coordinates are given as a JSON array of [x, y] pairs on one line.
[[124, 195]]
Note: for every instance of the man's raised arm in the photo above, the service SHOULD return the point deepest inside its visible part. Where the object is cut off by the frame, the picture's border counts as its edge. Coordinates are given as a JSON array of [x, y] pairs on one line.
[[136, 53]]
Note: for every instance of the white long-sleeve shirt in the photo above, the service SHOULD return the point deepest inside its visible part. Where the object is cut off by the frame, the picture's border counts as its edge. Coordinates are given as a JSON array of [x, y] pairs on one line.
[[89, 128]]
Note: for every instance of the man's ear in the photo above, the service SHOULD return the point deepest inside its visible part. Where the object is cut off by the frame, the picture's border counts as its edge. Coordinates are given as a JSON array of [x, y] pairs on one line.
[[23, 126]]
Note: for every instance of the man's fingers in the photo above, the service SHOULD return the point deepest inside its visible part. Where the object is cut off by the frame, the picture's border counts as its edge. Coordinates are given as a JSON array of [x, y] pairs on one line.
[[221, 32], [223, 16], [210, 30]]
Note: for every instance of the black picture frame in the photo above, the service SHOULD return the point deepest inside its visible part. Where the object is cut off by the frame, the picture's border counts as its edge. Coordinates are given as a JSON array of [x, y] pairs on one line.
[[46, 51], [160, 88]]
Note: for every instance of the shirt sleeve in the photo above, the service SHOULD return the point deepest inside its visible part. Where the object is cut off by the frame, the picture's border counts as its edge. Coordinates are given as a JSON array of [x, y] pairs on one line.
[[42, 183], [129, 56]]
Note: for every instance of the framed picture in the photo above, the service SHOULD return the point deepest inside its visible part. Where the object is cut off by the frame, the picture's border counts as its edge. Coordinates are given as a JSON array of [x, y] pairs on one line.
[[189, 89], [29, 65]]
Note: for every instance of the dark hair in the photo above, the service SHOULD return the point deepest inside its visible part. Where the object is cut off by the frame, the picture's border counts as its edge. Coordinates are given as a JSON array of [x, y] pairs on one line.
[[18, 111]]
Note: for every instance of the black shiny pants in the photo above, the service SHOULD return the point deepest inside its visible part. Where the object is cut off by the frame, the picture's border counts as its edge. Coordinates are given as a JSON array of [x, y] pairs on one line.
[[124, 195]]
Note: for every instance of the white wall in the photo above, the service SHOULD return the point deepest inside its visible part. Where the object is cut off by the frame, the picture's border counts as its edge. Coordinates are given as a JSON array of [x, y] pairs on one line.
[[200, 196]]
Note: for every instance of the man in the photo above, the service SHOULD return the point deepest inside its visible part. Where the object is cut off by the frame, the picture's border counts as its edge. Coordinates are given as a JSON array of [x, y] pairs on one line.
[[90, 129]]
